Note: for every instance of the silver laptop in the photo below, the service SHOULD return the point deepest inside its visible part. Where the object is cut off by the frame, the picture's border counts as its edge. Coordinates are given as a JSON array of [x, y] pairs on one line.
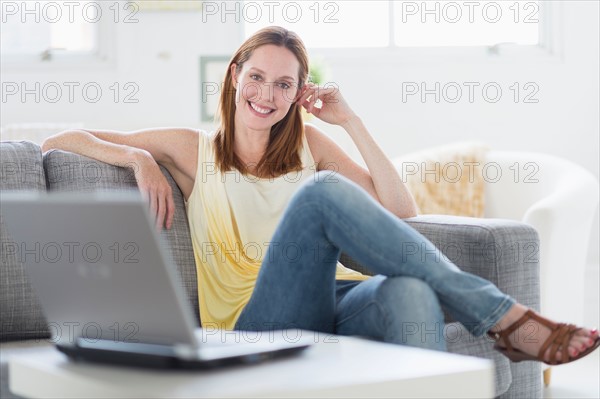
[[109, 288]]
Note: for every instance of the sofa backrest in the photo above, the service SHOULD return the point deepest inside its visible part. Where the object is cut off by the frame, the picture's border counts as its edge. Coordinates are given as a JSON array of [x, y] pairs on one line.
[[20, 312], [24, 168], [66, 171]]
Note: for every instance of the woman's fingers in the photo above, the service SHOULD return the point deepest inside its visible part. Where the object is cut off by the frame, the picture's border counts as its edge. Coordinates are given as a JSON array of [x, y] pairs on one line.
[[308, 105], [153, 203], [157, 193], [166, 208], [325, 94], [313, 100], [160, 215], [309, 89], [162, 207], [170, 210], [151, 194], [312, 93], [304, 96]]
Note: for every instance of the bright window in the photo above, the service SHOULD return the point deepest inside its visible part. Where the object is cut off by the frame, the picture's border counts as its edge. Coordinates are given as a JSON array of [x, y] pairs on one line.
[[349, 23], [469, 23], [44, 28], [323, 24]]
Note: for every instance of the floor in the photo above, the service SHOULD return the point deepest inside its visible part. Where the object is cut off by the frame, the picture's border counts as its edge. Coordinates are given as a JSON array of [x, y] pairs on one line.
[[578, 380], [582, 378]]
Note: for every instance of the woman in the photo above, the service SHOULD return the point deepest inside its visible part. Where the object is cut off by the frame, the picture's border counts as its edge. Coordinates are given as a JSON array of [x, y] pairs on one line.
[[272, 202]]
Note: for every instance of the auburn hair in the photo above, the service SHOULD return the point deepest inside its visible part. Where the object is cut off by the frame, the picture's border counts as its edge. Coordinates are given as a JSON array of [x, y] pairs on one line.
[[282, 154]]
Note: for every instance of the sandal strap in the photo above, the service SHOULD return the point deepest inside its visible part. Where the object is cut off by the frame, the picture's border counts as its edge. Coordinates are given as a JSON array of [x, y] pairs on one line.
[[554, 342], [528, 315], [560, 337]]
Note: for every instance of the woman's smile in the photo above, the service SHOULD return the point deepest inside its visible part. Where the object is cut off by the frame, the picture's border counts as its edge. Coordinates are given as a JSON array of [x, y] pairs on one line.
[[259, 111]]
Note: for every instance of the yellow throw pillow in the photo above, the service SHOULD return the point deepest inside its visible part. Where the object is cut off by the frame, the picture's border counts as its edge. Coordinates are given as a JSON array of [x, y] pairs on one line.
[[446, 180]]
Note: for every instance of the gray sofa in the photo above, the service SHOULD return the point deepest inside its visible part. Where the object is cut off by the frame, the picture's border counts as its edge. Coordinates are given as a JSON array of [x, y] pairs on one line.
[[501, 251]]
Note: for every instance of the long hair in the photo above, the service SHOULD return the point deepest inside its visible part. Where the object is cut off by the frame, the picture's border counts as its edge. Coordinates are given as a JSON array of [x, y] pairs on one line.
[[285, 139]]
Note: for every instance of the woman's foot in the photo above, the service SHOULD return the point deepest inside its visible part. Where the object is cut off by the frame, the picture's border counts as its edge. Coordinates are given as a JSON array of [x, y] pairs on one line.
[[531, 335]]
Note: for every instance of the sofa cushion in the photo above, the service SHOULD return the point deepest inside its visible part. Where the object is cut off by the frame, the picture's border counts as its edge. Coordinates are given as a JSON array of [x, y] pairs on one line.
[[20, 312], [66, 171], [446, 180]]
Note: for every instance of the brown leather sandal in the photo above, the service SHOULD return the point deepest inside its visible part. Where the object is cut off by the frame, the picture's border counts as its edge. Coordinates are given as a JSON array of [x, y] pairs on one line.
[[560, 335]]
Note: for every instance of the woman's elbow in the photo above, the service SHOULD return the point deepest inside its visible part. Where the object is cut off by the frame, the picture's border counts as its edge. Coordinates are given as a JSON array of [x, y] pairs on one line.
[[47, 144], [53, 141], [408, 215], [402, 211], [407, 211]]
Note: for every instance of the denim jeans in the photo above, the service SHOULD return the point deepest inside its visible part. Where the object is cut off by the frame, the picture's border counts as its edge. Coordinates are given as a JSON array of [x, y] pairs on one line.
[[401, 310], [296, 285]]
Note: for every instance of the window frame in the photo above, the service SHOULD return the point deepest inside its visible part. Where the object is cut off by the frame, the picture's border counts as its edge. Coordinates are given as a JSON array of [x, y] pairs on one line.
[[101, 57], [548, 50]]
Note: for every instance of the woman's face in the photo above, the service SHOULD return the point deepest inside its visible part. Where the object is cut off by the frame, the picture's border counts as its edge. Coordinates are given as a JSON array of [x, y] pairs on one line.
[[266, 86]]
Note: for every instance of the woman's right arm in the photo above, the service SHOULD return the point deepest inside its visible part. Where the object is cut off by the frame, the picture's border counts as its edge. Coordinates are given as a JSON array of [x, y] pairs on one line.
[[142, 150]]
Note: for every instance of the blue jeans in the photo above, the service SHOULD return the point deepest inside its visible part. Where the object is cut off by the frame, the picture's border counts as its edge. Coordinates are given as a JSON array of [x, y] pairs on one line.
[[296, 285]]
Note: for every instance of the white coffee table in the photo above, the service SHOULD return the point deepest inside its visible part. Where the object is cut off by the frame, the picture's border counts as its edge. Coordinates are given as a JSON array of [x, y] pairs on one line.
[[347, 367]]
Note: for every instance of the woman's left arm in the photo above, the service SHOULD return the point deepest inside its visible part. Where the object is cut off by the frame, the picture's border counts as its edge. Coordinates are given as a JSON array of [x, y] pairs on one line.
[[381, 180], [392, 192]]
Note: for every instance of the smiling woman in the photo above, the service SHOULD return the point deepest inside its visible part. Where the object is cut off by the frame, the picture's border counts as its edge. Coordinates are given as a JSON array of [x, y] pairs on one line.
[[265, 107], [272, 202]]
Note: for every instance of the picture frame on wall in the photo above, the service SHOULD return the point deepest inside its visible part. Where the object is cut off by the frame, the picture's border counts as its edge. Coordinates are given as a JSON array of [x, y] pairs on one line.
[[212, 75], [169, 5]]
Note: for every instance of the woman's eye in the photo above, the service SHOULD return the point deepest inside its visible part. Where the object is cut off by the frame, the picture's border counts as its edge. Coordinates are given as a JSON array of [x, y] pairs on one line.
[[284, 86], [254, 76]]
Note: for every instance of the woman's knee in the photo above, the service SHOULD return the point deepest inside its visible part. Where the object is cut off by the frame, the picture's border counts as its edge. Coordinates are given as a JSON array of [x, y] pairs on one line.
[[326, 185], [410, 295], [414, 315]]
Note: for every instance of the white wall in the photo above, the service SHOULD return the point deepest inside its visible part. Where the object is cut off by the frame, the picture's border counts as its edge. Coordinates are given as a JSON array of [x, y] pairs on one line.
[[161, 55], [565, 122], [168, 87]]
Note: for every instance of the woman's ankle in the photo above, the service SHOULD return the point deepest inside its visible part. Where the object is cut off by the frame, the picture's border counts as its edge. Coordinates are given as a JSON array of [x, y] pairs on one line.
[[514, 313]]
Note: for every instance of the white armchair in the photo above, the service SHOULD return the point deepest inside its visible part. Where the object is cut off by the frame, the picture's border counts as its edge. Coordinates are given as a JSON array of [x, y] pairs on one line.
[[559, 199]]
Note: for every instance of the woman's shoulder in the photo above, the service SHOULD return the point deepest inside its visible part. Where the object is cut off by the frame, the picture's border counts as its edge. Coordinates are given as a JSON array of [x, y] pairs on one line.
[[205, 139], [314, 139], [203, 135]]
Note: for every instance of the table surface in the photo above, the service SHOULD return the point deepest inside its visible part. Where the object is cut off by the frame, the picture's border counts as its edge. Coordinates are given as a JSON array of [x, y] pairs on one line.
[[335, 366]]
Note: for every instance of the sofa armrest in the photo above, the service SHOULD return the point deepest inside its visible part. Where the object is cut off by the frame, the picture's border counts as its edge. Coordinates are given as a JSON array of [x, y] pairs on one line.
[[504, 252]]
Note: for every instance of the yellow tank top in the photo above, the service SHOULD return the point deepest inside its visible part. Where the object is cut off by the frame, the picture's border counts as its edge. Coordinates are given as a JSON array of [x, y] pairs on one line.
[[232, 218]]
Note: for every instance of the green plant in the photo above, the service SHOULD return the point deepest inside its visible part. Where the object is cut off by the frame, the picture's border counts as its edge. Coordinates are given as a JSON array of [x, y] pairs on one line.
[[317, 73]]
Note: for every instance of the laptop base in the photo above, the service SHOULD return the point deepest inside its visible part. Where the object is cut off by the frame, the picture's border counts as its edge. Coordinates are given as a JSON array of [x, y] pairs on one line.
[[164, 357]]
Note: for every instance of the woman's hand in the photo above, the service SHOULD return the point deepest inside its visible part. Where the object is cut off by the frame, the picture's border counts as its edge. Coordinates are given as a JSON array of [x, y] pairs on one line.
[[334, 108], [155, 189]]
